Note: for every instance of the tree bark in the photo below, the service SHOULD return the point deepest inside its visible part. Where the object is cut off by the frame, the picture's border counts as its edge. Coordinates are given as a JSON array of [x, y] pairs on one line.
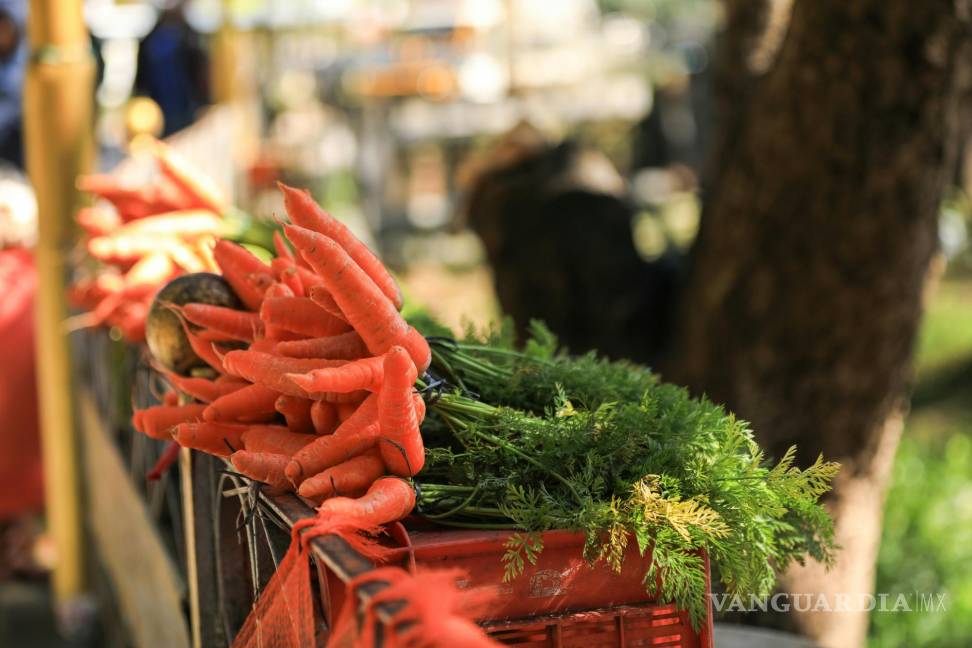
[[804, 297]]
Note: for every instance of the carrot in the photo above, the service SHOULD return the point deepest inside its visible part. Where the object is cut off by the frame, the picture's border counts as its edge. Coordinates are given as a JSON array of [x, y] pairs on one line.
[[252, 401], [275, 439], [296, 411], [343, 346], [356, 434], [120, 248], [198, 190], [264, 345], [351, 398], [219, 439], [401, 442], [305, 212], [170, 398], [152, 269], [215, 336], [387, 500], [324, 417], [374, 318], [237, 265], [182, 224], [345, 410], [156, 421], [235, 324], [308, 279], [286, 273], [319, 294], [184, 255], [269, 370], [350, 478], [131, 203], [199, 388], [300, 315], [365, 373], [262, 467], [202, 348], [280, 245], [277, 290], [166, 459], [97, 222]]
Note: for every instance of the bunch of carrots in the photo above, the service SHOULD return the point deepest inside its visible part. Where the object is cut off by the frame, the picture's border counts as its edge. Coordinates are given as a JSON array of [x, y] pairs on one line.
[[142, 237], [320, 400], [313, 391]]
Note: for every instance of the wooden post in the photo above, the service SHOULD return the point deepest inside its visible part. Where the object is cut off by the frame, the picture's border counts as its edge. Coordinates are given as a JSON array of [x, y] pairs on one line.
[[58, 128]]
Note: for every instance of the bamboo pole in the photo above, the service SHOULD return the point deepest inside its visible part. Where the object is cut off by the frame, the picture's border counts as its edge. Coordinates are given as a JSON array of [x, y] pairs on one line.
[[58, 107]]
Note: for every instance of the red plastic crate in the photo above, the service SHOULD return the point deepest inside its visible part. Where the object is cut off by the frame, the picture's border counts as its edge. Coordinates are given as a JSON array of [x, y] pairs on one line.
[[560, 602]]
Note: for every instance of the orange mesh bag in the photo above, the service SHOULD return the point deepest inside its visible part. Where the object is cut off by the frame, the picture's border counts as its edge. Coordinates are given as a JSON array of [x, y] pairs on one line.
[[435, 614], [283, 616]]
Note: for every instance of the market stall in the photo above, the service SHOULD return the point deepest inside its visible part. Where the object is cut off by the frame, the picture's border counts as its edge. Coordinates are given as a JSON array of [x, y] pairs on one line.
[[246, 385]]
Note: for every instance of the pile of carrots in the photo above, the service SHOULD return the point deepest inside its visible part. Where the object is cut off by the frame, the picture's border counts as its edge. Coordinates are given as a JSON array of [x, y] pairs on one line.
[[140, 238], [320, 400], [313, 391]]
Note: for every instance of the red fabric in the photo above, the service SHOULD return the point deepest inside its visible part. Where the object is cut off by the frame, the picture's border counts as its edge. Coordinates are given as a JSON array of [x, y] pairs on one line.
[[21, 478]]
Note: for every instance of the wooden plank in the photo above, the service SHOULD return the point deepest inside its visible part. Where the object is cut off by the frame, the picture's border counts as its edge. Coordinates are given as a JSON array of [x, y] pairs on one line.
[[199, 514], [146, 582]]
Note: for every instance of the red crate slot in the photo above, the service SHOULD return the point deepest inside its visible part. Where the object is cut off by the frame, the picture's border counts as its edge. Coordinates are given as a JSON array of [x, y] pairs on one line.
[[562, 601]]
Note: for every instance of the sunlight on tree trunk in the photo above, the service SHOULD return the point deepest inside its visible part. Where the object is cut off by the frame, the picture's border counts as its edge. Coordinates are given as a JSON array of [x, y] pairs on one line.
[[805, 294]]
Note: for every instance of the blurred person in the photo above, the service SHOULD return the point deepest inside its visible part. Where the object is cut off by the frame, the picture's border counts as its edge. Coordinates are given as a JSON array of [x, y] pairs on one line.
[[13, 58], [21, 475], [556, 224], [173, 69]]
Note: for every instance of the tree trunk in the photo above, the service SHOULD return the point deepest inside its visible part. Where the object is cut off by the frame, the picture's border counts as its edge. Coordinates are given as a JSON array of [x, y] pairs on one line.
[[805, 294]]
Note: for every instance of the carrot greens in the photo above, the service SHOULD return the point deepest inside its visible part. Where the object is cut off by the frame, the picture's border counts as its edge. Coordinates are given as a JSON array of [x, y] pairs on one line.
[[535, 440]]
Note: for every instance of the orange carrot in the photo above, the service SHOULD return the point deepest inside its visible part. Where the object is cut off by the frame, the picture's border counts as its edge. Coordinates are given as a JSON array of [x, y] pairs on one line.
[[237, 265], [201, 389], [350, 478], [365, 373], [387, 500], [251, 401], [97, 222], [323, 298], [374, 317], [170, 398], [156, 421], [262, 467], [300, 315], [235, 324], [345, 410], [280, 245], [356, 434], [265, 345], [152, 269], [182, 224], [296, 411], [166, 459], [344, 346], [324, 417], [269, 370], [199, 191], [305, 212], [401, 442], [286, 272], [219, 439], [275, 439], [351, 399]]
